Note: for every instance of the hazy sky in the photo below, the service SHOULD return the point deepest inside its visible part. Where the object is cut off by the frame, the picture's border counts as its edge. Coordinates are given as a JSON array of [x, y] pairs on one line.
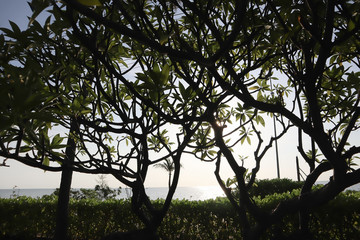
[[194, 172]]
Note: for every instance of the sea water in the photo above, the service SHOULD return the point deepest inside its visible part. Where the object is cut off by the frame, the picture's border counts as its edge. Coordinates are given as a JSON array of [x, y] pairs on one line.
[[188, 193]]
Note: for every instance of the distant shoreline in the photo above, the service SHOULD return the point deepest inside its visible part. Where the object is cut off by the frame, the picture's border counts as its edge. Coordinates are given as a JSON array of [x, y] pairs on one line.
[[188, 193]]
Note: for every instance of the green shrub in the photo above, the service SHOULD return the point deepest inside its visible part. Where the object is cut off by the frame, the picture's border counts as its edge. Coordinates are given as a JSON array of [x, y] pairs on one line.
[[27, 217], [337, 220], [210, 219], [266, 187], [102, 191]]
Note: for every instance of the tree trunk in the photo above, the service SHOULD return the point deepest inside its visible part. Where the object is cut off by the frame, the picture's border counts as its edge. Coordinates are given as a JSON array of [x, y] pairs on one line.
[[169, 179], [62, 211]]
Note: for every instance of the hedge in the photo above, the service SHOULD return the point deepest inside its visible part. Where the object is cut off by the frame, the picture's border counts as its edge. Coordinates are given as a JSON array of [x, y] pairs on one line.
[[27, 218], [266, 187]]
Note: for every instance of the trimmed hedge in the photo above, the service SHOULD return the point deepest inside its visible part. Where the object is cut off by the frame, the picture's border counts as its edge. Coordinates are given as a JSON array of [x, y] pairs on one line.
[[266, 187], [28, 218]]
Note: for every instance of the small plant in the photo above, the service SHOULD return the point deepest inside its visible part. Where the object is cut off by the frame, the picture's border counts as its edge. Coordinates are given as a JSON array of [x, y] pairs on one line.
[[101, 191], [15, 192]]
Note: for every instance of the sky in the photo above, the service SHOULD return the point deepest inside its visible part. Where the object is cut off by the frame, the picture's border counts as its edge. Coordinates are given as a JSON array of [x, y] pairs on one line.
[[193, 173]]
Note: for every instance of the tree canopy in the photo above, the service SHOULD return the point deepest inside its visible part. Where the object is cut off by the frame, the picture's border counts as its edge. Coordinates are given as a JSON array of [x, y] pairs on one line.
[[118, 74]]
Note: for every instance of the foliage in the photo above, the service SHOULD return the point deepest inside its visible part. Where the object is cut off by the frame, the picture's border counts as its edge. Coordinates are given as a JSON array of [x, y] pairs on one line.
[[18, 217], [101, 191], [210, 219], [210, 70], [266, 187], [72, 102], [98, 193]]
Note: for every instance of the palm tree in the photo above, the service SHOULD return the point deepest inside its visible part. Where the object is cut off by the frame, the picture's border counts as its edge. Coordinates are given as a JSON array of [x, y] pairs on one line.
[[168, 166]]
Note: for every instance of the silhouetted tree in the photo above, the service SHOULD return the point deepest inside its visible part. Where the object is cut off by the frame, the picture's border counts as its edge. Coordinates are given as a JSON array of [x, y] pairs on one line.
[[204, 68], [168, 166]]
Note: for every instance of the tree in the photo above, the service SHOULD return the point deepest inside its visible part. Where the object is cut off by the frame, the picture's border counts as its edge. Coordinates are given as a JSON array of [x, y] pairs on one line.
[[28, 112], [226, 52], [205, 68], [168, 166], [110, 129]]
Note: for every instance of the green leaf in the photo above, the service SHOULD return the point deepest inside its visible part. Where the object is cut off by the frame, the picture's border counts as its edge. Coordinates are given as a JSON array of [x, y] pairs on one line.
[[90, 2], [25, 149], [351, 25], [37, 6], [212, 152], [46, 161], [165, 74], [261, 120], [15, 27], [86, 111], [76, 104], [248, 140], [163, 38], [243, 139], [182, 91], [56, 140], [7, 31]]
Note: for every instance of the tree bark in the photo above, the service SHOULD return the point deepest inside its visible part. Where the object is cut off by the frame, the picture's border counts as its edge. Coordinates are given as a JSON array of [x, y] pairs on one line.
[[62, 211]]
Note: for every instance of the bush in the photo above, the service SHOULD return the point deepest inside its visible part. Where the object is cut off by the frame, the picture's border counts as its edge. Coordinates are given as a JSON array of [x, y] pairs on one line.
[[28, 218], [101, 191], [266, 187], [339, 219], [210, 219]]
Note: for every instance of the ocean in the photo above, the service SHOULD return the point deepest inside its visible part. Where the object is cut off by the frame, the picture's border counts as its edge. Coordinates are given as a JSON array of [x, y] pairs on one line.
[[188, 193]]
